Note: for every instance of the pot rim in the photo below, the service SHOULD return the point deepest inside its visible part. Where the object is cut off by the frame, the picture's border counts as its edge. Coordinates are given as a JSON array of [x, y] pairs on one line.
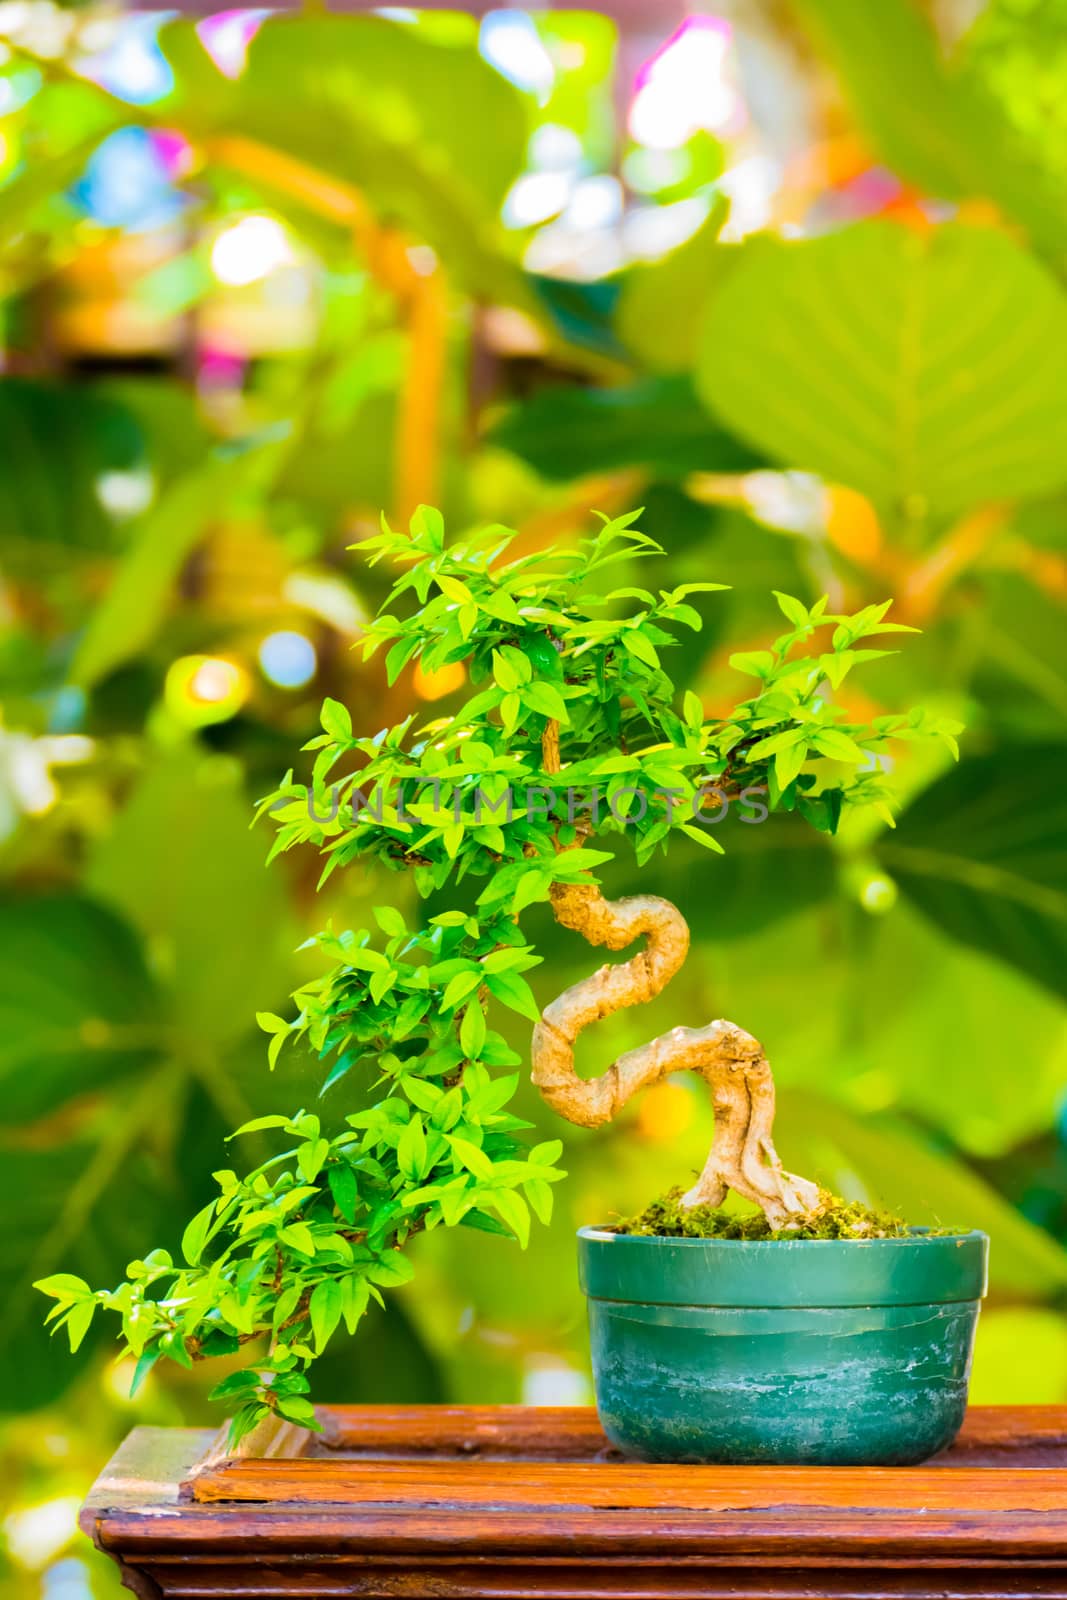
[[603, 1233], [919, 1268]]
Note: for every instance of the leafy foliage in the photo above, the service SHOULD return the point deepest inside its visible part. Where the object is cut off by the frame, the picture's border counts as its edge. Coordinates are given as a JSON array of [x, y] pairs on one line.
[[305, 1240]]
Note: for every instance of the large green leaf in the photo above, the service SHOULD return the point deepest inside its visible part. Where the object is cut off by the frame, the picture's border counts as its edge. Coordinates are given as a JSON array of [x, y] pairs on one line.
[[936, 126], [413, 117], [981, 853], [181, 863], [78, 1011], [882, 1161], [925, 370], [662, 303], [72, 1209], [56, 442], [657, 423]]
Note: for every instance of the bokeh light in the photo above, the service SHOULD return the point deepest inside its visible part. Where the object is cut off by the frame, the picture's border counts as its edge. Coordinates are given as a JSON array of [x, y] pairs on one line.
[[200, 690], [288, 659], [250, 249]]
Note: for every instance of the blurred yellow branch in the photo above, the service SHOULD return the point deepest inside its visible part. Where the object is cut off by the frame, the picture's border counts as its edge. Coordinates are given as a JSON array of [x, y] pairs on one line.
[[417, 479], [925, 584]]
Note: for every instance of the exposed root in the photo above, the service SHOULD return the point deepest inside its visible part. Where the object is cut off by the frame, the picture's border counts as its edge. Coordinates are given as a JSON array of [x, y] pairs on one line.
[[742, 1157]]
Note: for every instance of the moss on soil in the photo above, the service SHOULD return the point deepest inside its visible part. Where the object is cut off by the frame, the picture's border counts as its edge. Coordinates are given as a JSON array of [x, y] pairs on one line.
[[832, 1218]]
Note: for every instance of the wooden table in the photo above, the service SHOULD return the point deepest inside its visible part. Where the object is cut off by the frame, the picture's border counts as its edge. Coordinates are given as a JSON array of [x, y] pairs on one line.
[[515, 1501]]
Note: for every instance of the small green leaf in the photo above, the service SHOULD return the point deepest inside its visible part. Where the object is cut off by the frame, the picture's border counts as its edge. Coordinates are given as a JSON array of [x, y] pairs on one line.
[[78, 1322], [472, 1030], [702, 836], [545, 699], [344, 1188], [270, 1023], [513, 991], [793, 610], [63, 1286], [471, 1157], [336, 719], [325, 1309], [411, 1151], [390, 921], [788, 763], [196, 1232], [640, 646], [515, 1212]]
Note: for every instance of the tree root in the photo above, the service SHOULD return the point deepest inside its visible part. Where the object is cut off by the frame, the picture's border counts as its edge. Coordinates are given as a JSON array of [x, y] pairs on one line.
[[742, 1157]]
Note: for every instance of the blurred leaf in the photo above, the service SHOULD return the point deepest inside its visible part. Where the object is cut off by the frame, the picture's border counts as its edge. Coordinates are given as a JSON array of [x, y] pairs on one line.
[[77, 1008], [924, 370], [981, 853], [181, 863], [938, 1049], [55, 444], [128, 617], [581, 312], [387, 1359], [770, 870], [935, 126], [883, 1162], [69, 120], [999, 1377], [85, 1208], [657, 423], [423, 127], [662, 303]]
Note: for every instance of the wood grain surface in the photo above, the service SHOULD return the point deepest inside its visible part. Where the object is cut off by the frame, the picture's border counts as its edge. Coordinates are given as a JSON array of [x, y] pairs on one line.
[[516, 1502]]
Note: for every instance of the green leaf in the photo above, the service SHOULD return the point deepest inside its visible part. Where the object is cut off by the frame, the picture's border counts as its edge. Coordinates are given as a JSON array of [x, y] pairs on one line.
[[885, 1162], [515, 1212], [295, 1409], [981, 854], [870, 398], [195, 1236], [272, 1024], [788, 763], [63, 1286], [470, 1157], [56, 442], [702, 836], [180, 849], [545, 699], [310, 1158], [932, 124], [472, 1030], [391, 922], [384, 117], [336, 719], [513, 991], [78, 1323], [411, 1151], [793, 610], [299, 1237], [640, 646], [658, 423], [325, 1311], [131, 612], [78, 1010], [662, 302], [344, 1188]]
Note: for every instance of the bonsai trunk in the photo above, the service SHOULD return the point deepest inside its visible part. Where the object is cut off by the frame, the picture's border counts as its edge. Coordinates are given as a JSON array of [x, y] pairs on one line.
[[742, 1156]]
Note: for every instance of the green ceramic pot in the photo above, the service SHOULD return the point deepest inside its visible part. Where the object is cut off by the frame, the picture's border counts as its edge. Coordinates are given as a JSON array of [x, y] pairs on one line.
[[832, 1351]]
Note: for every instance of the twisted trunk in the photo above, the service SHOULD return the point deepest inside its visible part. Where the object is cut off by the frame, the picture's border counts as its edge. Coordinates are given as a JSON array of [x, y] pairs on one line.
[[732, 1063]]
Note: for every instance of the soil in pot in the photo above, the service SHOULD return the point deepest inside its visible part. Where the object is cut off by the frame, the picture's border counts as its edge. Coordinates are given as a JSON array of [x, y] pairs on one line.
[[849, 1349]]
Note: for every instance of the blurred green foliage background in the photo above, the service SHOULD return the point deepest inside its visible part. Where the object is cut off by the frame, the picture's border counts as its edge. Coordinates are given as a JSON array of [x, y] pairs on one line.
[[791, 275]]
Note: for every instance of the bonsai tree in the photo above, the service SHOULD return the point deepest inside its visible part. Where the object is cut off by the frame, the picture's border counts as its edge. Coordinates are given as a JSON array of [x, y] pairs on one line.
[[572, 733]]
